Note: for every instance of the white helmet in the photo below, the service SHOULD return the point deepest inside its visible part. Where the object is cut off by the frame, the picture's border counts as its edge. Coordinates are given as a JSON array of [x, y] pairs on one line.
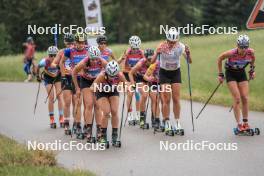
[[94, 52], [134, 42], [243, 41], [112, 68], [172, 35], [52, 50]]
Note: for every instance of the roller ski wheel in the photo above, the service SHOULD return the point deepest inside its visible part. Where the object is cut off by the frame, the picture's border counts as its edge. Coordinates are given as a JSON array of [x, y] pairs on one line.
[[132, 123], [67, 132], [249, 132], [144, 126], [169, 133], [91, 140], [179, 132], [53, 125], [116, 144], [257, 131]]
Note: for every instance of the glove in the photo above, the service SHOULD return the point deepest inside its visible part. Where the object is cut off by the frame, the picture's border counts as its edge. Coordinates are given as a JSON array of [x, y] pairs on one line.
[[38, 78], [252, 72], [221, 77], [64, 80]]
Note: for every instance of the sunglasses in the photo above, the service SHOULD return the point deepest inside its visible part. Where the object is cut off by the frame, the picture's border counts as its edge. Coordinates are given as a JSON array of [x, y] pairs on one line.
[[102, 43], [52, 55], [243, 47]]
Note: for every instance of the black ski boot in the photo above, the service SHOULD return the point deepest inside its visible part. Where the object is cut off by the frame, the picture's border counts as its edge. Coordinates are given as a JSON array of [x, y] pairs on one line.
[[115, 141], [103, 138], [79, 133], [67, 129], [143, 123]]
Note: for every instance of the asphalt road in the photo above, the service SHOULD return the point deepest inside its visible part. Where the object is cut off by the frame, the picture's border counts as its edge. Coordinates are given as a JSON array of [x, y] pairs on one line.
[[140, 154]]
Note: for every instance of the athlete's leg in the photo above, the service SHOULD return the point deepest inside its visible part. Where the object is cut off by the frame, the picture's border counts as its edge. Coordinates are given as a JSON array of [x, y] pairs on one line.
[[50, 102], [244, 90], [88, 105], [233, 88], [60, 99], [176, 87], [165, 97]]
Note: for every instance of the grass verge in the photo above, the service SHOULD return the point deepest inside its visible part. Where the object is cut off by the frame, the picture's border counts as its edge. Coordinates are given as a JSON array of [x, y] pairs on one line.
[[16, 160]]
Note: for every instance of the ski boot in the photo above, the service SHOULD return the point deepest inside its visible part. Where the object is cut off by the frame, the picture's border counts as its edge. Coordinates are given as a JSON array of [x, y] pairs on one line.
[[178, 129], [79, 133], [88, 134], [61, 120], [103, 140], [74, 127], [67, 129], [52, 123], [143, 125], [168, 128], [131, 120], [115, 141], [158, 126], [137, 118], [152, 121]]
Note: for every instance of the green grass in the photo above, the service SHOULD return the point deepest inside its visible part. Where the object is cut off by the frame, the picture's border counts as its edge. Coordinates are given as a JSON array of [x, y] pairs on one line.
[[204, 50], [16, 160]]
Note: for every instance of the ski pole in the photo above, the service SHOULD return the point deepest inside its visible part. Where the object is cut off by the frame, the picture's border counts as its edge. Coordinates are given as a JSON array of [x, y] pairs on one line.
[[208, 100], [57, 96], [190, 89], [122, 117], [36, 102]]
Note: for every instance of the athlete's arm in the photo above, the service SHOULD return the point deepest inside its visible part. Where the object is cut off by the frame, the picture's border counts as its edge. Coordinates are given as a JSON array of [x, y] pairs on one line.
[[133, 71], [122, 58], [187, 54], [220, 59], [104, 62], [75, 72], [100, 78], [57, 59], [149, 73]]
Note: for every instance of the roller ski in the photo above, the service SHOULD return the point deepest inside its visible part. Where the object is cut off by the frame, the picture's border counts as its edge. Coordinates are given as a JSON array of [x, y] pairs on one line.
[[67, 129], [168, 129], [131, 120], [245, 130], [178, 129], [52, 123], [115, 141], [61, 120], [143, 125], [158, 126]]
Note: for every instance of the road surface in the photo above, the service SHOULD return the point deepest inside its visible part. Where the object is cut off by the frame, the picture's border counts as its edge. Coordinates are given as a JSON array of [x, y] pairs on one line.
[[140, 154]]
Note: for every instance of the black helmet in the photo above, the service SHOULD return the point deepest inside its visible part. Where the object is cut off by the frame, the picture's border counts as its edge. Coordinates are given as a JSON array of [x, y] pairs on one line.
[[101, 38], [149, 53], [68, 37], [29, 39]]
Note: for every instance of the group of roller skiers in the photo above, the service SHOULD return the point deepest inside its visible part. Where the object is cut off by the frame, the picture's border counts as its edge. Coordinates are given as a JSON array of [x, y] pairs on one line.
[[74, 71]]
